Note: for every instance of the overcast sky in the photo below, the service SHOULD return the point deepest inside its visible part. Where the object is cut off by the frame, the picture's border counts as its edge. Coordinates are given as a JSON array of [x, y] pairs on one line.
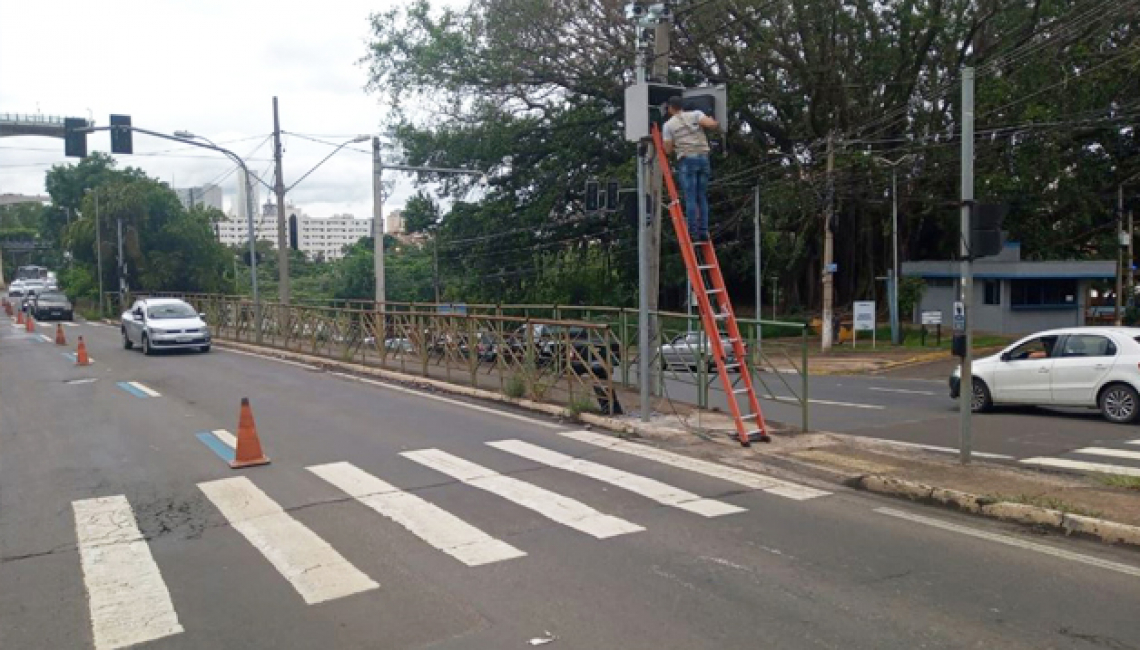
[[208, 66]]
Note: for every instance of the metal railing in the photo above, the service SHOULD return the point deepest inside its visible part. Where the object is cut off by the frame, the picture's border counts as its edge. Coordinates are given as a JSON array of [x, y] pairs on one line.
[[346, 329]]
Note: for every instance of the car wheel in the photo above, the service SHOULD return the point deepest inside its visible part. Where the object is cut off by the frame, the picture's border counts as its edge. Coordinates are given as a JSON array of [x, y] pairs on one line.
[[1119, 403], [981, 401], [147, 350], [127, 345], [204, 349]]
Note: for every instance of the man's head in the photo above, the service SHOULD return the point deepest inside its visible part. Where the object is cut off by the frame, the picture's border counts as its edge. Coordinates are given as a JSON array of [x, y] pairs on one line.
[[676, 105]]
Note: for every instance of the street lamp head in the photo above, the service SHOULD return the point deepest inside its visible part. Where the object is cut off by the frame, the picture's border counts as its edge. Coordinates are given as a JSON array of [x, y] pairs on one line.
[[361, 138], [185, 135]]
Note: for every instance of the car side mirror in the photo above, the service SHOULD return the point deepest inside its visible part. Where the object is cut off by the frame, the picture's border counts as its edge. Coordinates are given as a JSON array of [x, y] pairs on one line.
[[202, 315], [138, 313], [1005, 356]]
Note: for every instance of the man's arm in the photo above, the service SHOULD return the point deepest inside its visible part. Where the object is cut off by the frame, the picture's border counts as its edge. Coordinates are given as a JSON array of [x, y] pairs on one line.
[[668, 147], [708, 122]]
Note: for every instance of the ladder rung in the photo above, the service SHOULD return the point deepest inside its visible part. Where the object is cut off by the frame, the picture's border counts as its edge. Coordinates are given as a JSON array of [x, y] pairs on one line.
[[705, 267], [740, 390], [721, 315], [714, 290], [731, 366]]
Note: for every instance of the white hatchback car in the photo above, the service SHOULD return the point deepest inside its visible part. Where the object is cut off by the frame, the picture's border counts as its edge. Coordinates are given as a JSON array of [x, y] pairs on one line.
[[1094, 367], [164, 324]]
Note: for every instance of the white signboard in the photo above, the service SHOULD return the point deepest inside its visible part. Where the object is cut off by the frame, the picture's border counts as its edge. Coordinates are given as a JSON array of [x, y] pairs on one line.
[[959, 317], [864, 316], [932, 318]]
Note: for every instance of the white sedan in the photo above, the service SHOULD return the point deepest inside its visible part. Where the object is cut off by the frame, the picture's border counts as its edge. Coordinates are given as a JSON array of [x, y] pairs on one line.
[[1093, 367]]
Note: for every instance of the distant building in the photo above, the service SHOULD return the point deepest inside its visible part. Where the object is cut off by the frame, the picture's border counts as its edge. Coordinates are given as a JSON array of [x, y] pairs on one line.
[[209, 196], [394, 223], [326, 237], [234, 229], [1012, 296]]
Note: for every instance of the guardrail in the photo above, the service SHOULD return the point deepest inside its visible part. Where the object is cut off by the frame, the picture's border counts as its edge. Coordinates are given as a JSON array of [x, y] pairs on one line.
[[778, 350]]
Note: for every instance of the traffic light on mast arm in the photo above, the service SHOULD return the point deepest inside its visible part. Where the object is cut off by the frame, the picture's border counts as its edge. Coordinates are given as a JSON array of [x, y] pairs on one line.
[[74, 140], [121, 140]]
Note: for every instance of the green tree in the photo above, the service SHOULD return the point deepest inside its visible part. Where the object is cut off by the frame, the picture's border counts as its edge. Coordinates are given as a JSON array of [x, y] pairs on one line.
[[420, 213]]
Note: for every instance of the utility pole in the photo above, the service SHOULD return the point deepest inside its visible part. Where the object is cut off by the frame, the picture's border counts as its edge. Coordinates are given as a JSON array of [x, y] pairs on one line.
[[896, 333], [658, 71], [759, 261], [1131, 262], [435, 264], [282, 236], [122, 266], [966, 382], [828, 248], [378, 223], [99, 253]]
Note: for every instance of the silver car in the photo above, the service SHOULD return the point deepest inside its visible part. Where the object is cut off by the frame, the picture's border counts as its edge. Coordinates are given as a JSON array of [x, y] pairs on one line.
[[164, 324], [685, 351]]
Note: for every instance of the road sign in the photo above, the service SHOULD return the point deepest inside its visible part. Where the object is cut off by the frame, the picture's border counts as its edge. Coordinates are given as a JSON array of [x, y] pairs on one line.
[[959, 317], [864, 316], [832, 268], [932, 317]]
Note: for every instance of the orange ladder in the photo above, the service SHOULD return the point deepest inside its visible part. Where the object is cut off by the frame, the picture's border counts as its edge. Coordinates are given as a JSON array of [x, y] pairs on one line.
[[719, 324]]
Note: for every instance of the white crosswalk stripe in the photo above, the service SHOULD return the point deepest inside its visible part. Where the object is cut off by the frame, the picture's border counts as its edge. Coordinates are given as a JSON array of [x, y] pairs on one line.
[[128, 598], [564, 510], [1105, 451], [745, 478], [1133, 442], [313, 567], [646, 487], [1084, 466], [427, 521]]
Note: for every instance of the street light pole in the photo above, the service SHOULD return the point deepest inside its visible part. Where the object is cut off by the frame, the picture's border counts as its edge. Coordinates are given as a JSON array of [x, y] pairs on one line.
[[896, 330], [99, 254], [378, 225]]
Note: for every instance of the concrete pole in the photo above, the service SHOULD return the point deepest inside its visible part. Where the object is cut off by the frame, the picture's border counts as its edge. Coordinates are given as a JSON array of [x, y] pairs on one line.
[[643, 378], [121, 266], [1131, 261], [966, 395], [249, 209], [759, 261], [283, 289], [378, 224], [896, 333], [828, 251], [99, 254]]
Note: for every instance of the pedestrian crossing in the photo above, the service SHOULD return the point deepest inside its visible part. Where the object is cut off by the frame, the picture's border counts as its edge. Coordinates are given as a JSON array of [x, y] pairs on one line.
[[1121, 459], [130, 603]]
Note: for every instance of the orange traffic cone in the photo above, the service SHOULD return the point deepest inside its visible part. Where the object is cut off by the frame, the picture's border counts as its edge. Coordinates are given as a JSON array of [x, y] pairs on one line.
[[248, 451], [60, 339], [30, 324], [81, 358], [20, 317]]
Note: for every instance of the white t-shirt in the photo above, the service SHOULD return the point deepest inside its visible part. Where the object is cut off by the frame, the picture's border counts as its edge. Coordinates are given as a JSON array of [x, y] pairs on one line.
[[684, 129]]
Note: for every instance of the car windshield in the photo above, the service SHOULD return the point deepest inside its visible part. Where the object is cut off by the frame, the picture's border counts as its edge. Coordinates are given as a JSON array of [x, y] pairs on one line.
[[172, 310], [53, 297]]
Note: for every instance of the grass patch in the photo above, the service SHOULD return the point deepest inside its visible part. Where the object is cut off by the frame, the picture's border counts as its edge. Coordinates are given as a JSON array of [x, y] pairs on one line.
[[1116, 480], [580, 405], [1053, 503], [515, 388]]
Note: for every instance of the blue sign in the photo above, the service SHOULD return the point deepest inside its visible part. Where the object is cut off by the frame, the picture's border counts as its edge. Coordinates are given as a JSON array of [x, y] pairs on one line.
[[832, 268]]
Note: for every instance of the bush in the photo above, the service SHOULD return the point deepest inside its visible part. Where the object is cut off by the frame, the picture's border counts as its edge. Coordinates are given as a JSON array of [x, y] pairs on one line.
[[515, 388], [580, 405]]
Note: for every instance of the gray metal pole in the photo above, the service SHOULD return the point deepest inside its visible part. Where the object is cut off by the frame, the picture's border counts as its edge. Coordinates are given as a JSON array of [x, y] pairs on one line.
[[99, 254], [759, 264], [249, 208], [121, 266], [966, 395], [896, 333], [283, 289], [643, 379], [378, 224]]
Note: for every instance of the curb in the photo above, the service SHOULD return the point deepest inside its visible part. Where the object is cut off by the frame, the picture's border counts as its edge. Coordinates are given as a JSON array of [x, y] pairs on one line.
[[1109, 532], [620, 426]]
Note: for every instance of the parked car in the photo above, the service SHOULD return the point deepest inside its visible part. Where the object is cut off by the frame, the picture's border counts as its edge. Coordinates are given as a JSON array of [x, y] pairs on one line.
[[164, 324], [16, 293], [52, 304], [1093, 367], [685, 351], [590, 346]]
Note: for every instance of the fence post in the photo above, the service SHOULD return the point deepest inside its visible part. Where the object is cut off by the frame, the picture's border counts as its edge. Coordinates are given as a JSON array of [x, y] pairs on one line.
[[804, 375], [472, 351], [624, 361]]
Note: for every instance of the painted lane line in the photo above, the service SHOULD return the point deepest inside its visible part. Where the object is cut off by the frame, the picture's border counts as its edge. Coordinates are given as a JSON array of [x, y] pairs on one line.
[[748, 479], [425, 520], [792, 400], [69, 324], [45, 338], [225, 436], [1105, 451], [73, 357], [553, 506], [1084, 466], [1013, 541], [306, 366], [455, 402], [947, 450], [1133, 442], [127, 596], [149, 392], [649, 488], [130, 388], [313, 567], [215, 444], [904, 391]]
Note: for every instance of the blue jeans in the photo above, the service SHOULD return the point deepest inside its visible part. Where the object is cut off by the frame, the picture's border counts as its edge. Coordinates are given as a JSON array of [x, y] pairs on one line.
[[694, 172]]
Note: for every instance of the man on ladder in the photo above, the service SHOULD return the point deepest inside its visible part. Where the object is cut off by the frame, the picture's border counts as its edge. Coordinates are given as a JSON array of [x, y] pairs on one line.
[[684, 135]]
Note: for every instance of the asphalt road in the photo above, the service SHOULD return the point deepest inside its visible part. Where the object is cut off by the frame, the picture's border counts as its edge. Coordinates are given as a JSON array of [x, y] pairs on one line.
[[119, 525], [912, 405]]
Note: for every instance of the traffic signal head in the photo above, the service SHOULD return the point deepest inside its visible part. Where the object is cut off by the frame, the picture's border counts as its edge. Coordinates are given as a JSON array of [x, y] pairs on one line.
[[985, 228], [74, 140], [592, 198], [612, 188], [121, 140], [710, 100]]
